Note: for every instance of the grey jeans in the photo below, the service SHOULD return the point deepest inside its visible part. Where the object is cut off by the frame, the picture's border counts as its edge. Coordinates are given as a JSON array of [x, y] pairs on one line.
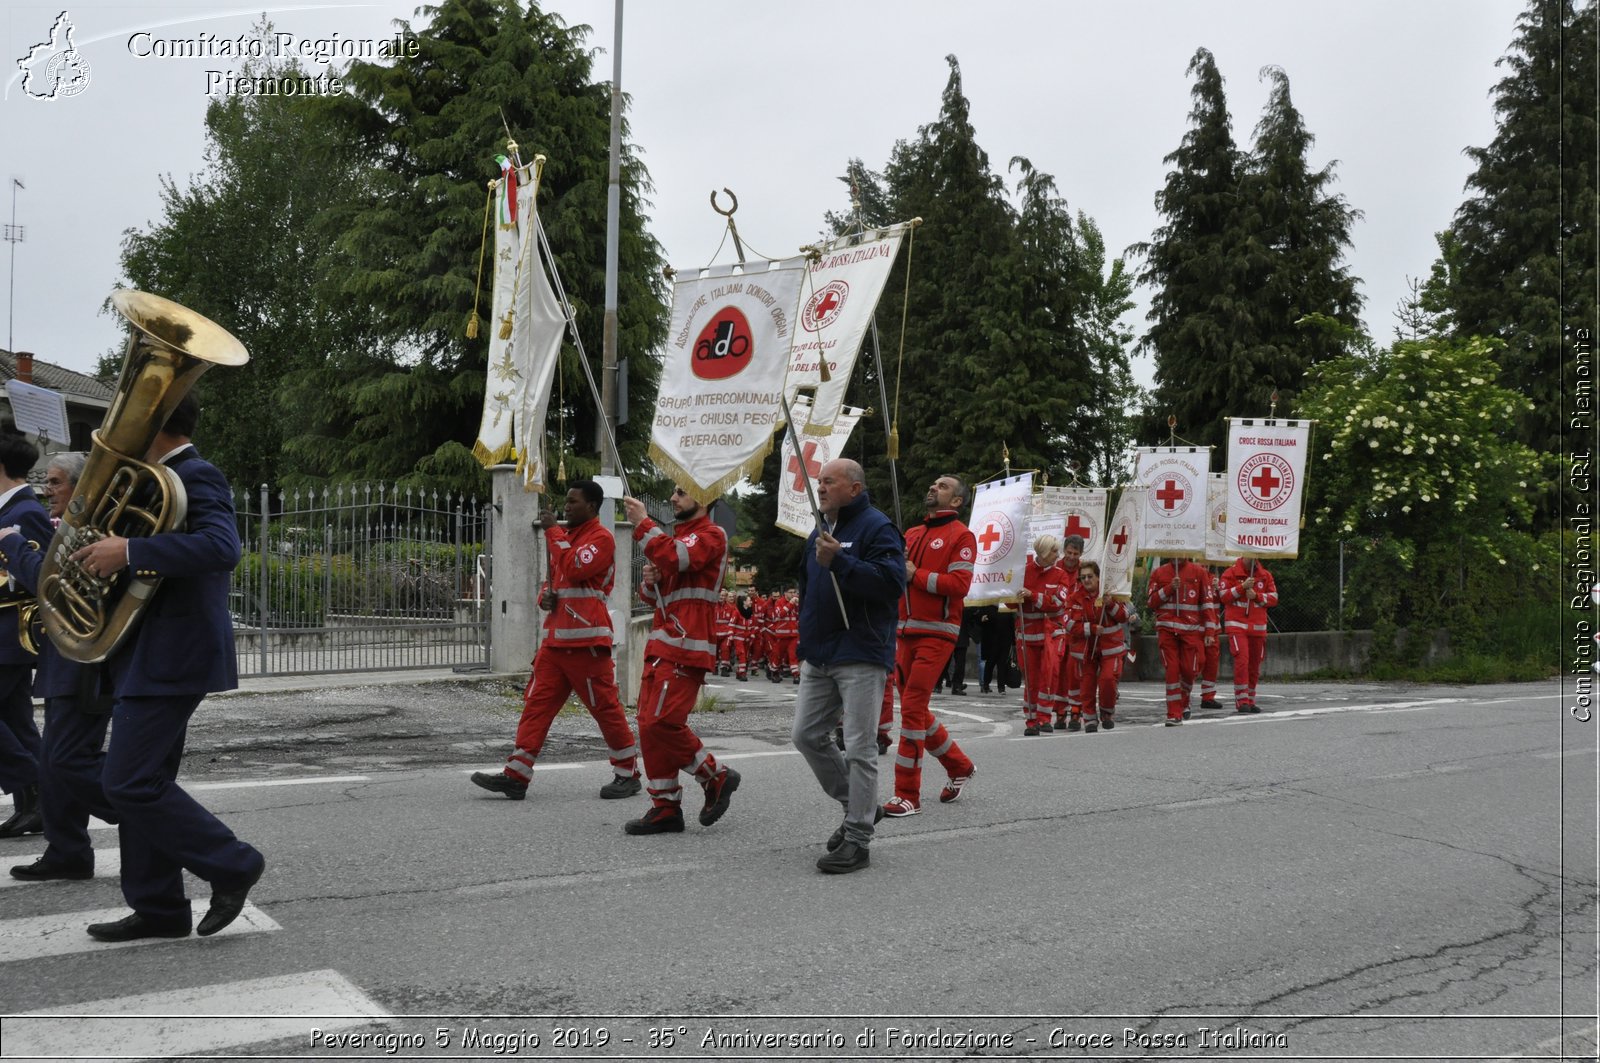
[[855, 692]]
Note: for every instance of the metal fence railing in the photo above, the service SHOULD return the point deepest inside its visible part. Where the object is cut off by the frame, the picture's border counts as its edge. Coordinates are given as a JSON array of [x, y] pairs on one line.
[[360, 578]]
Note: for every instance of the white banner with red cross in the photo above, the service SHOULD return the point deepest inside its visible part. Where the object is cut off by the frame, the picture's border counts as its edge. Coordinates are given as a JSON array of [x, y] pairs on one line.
[[1175, 500], [1083, 512], [840, 293], [1121, 545], [722, 373], [1000, 512], [1266, 485], [1217, 520], [794, 502]]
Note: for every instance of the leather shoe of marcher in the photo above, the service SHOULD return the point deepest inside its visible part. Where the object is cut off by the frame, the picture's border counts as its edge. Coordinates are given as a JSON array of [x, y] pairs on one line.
[[843, 860], [136, 927], [42, 870], [227, 904], [658, 820], [25, 816]]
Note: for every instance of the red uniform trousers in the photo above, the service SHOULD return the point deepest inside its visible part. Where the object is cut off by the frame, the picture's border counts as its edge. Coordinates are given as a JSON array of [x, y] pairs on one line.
[[1182, 653], [1249, 650], [784, 660], [737, 654], [557, 673], [918, 664], [1208, 670], [1041, 670], [667, 694], [1071, 680], [1101, 677], [725, 651]]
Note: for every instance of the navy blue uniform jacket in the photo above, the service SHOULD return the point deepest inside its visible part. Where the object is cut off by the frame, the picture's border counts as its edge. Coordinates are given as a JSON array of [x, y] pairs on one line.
[[23, 510]]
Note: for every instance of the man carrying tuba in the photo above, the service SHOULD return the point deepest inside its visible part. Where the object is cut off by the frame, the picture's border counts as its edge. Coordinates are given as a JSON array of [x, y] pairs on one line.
[[180, 650], [19, 734]]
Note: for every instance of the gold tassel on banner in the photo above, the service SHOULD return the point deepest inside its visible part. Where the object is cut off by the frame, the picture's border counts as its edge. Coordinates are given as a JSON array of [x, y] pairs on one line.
[[561, 470], [505, 326], [894, 441], [477, 289]]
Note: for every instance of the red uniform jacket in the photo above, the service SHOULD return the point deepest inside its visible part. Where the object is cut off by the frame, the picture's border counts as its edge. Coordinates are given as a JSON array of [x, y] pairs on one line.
[[581, 574], [1044, 601], [942, 549], [689, 564], [1100, 629], [1180, 596], [1239, 614]]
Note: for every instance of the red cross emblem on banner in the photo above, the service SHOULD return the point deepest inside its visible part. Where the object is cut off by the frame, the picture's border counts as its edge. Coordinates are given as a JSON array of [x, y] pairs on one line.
[[1170, 495], [813, 467], [990, 536], [1078, 528], [1120, 540], [830, 300], [1266, 481]]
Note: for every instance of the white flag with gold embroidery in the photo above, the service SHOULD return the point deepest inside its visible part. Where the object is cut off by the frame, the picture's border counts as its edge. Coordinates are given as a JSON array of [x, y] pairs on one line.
[[1175, 503], [1000, 512], [496, 440]]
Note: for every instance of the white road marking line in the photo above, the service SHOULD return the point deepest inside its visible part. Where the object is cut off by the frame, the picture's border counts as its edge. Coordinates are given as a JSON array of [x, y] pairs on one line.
[[107, 865], [195, 1021], [63, 934], [251, 784]]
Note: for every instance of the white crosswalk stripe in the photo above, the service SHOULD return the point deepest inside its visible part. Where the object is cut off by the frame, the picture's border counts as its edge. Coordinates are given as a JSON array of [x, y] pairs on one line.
[[63, 934], [203, 1019]]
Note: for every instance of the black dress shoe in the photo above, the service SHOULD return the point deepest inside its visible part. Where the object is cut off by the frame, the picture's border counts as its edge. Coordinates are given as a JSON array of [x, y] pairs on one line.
[[227, 904], [135, 927], [836, 839], [42, 870]]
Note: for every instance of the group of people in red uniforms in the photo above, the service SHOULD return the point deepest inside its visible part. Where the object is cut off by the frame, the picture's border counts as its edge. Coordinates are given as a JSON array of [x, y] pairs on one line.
[[759, 632], [1072, 641], [1185, 598]]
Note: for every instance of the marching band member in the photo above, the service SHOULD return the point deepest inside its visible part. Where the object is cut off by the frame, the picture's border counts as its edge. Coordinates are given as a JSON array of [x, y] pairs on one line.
[[681, 578], [939, 564], [1248, 591], [76, 714], [576, 653], [19, 734], [181, 650]]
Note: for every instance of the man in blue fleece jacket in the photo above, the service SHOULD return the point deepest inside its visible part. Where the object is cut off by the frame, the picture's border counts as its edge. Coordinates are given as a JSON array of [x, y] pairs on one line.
[[843, 663]]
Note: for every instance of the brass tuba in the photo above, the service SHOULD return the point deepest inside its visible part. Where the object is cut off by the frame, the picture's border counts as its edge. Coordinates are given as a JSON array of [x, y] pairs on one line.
[[118, 493]]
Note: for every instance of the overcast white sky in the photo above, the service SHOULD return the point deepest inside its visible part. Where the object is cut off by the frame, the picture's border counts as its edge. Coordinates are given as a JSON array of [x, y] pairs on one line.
[[771, 100]]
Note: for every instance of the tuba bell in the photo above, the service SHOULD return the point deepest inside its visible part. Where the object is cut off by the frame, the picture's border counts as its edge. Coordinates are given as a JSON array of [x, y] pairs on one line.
[[119, 493]]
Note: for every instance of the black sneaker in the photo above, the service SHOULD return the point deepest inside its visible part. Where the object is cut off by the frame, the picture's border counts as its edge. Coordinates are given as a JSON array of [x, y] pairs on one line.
[[718, 793], [843, 860], [500, 783], [659, 820], [1185, 714], [1075, 724], [1030, 731], [1210, 703], [1045, 727], [1173, 721], [1107, 721], [1091, 727], [621, 786]]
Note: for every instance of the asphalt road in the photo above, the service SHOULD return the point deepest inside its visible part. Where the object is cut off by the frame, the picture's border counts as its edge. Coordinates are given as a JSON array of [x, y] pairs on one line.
[[1362, 870]]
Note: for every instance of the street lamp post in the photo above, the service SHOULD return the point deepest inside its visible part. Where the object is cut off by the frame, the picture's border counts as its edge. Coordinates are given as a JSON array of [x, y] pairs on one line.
[[13, 236]]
